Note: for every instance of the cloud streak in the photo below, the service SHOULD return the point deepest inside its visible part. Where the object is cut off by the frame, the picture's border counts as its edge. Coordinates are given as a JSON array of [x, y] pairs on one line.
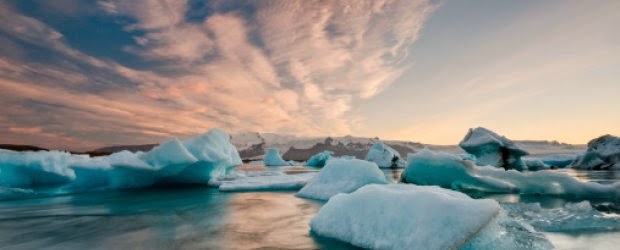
[[276, 66]]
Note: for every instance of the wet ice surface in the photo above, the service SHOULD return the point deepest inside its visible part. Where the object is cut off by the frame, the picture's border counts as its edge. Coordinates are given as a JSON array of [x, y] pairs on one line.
[[200, 217]]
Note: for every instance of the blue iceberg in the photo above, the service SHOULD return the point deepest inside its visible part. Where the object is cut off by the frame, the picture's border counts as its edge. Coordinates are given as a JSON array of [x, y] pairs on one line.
[[273, 158], [449, 171], [320, 159], [192, 161], [43, 168], [342, 176]]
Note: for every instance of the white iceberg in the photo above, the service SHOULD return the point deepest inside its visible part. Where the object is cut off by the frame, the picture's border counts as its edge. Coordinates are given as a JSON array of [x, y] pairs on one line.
[[602, 153], [320, 159], [384, 155], [273, 158], [342, 176], [400, 216], [492, 149], [449, 171]]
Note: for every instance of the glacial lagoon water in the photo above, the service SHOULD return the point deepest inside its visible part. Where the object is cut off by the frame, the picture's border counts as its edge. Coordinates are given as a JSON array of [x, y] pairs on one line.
[[204, 218]]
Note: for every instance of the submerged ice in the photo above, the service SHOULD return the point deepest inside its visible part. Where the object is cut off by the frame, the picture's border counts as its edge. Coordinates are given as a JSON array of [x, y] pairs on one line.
[[570, 218]]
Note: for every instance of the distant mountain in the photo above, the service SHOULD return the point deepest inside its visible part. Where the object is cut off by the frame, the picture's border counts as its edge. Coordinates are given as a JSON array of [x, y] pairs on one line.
[[15, 147], [118, 148], [253, 145]]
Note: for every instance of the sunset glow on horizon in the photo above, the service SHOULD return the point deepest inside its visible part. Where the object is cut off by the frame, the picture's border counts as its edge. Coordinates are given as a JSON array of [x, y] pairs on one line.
[[85, 74]]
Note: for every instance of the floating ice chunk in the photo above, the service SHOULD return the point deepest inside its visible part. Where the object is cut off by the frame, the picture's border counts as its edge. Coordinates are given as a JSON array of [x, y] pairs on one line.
[[492, 149], [320, 159], [602, 153], [449, 171], [384, 156], [273, 158], [215, 155], [559, 160], [573, 217], [399, 216], [535, 164], [267, 182], [342, 176], [23, 169]]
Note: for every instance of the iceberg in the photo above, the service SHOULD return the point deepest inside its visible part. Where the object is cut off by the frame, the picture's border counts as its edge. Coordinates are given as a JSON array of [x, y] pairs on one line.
[[401, 216], [320, 159], [449, 171], [602, 153], [492, 149], [42, 168], [192, 161], [273, 158], [342, 176], [384, 155]]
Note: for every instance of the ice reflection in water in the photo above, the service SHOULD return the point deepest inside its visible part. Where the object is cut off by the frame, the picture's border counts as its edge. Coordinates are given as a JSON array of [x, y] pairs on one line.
[[196, 218]]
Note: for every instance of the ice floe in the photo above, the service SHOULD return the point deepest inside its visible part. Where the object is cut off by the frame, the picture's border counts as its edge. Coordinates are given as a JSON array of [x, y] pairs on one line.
[[342, 176]]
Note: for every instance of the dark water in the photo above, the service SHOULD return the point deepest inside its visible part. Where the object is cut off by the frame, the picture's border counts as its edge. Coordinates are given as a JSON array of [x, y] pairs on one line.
[[204, 218]]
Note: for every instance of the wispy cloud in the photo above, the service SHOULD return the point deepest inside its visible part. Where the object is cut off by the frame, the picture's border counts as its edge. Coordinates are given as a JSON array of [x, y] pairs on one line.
[[278, 66]]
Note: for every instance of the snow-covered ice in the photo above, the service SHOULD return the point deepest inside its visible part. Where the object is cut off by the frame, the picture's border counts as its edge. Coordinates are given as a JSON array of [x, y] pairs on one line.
[[401, 216], [602, 153], [492, 149], [384, 155], [449, 171], [320, 159], [342, 176]]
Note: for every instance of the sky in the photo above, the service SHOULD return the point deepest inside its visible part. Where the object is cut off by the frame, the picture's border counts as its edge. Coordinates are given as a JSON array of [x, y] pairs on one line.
[[84, 74]]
